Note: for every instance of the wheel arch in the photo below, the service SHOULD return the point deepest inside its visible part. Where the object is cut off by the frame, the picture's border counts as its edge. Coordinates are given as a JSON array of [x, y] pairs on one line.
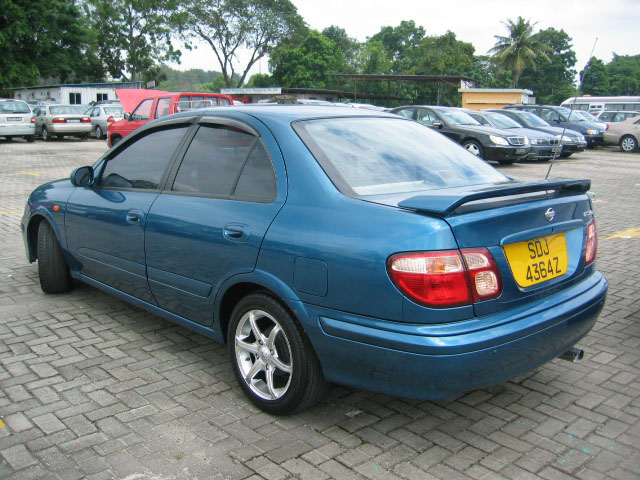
[[239, 286]]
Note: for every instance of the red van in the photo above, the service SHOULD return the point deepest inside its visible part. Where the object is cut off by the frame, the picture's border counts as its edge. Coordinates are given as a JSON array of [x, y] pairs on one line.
[[141, 106]]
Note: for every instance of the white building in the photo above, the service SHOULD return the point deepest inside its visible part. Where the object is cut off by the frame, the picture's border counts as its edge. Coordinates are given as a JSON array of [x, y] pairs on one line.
[[74, 93]]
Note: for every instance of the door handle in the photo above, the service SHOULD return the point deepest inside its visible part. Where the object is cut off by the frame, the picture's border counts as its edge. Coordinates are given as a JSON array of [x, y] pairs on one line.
[[134, 217], [237, 232]]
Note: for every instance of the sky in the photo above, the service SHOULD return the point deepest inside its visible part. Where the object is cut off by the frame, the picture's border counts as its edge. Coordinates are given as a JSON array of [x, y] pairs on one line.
[[614, 23]]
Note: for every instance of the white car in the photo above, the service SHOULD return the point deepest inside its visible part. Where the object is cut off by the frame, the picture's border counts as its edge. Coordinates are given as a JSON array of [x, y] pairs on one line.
[[16, 120]]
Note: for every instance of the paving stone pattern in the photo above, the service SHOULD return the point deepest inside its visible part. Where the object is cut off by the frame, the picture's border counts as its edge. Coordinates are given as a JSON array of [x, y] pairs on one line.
[[91, 387]]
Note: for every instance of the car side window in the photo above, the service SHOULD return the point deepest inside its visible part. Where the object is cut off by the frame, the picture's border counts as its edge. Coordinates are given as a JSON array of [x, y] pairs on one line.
[[215, 160], [426, 117], [162, 108], [142, 164], [637, 122], [257, 181], [406, 112], [549, 115], [143, 111]]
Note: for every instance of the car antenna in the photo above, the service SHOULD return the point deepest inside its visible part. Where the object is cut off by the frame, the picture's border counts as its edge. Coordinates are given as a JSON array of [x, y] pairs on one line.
[[555, 154]]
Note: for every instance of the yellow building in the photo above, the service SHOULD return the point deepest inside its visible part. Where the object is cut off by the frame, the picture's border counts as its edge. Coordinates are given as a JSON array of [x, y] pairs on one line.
[[483, 98]]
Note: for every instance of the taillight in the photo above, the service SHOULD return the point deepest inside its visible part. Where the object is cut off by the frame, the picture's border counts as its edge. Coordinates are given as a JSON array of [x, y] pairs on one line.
[[111, 119], [484, 276], [591, 248], [86, 120], [59, 120], [450, 278], [33, 119]]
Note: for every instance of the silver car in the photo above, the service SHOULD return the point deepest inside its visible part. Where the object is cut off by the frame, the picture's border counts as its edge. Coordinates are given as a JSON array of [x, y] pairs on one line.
[[99, 115], [61, 121], [16, 120]]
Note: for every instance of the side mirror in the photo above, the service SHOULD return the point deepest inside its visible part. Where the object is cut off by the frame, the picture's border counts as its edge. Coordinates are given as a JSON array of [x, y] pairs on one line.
[[437, 124], [82, 177], [127, 116]]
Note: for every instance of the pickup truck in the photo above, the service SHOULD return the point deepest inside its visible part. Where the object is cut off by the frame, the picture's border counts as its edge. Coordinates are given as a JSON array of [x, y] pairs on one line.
[[141, 106]]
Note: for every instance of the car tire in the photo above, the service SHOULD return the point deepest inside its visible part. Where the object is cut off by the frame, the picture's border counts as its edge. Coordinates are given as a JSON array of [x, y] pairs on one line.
[[272, 358], [52, 267], [115, 139], [99, 132], [46, 136], [474, 147], [30, 138], [628, 144], [506, 162], [566, 154]]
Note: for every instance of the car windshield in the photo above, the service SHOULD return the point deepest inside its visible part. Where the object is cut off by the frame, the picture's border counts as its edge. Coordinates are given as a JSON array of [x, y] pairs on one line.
[[587, 116], [14, 107], [113, 110], [532, 120], [572, 116], [64, 110], [502, 121], [370, 156], [456, 117]]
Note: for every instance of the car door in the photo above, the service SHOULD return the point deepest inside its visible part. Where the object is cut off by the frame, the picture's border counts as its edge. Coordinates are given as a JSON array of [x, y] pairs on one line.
[[140, 116], [209, 224], [105, 222]]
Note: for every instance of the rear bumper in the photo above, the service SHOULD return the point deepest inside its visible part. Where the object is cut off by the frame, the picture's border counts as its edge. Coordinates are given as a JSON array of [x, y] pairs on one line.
[[69, 128], [437, 361], [17, 129]]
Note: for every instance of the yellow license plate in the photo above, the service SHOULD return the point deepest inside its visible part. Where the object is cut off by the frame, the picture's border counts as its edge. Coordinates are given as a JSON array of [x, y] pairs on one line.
[[537, 260]]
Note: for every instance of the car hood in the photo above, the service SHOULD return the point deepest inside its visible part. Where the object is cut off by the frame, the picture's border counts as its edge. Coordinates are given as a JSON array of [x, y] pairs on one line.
[[487, 130], [130, 98], [529, 132]]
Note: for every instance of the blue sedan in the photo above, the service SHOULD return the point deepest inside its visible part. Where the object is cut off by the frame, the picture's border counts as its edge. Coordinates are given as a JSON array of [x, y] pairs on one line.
[[328, 244]]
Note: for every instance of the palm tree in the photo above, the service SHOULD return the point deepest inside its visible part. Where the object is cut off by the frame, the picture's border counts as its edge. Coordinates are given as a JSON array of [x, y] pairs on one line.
[[519, 49]]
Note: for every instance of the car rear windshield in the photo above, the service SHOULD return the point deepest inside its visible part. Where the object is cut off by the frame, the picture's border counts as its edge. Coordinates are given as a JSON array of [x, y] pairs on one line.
[[113, 110], [14, 107], [372, 156], [64, 110]]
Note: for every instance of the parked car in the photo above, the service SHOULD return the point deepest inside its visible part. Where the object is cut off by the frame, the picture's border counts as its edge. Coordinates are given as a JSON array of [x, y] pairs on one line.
[[61, 121], [543, 145], [325, 243], [103, 114], [613, 116], [563, 117], [485, 142], [570, 141], [625, 134], [141, 106], [16, 120]]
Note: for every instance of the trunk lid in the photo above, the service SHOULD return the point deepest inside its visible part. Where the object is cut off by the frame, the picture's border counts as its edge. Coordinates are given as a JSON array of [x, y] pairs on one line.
[[534, 231]]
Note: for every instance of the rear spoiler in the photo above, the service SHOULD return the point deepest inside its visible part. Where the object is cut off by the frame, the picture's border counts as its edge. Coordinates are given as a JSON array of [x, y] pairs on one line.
[[444, 202]]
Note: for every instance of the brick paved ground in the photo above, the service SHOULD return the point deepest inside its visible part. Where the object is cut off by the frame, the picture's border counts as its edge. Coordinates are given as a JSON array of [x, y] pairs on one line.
[[94, 388]]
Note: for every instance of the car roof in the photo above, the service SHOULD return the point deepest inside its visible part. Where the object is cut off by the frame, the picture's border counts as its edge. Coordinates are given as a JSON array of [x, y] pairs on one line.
[[291, 113]]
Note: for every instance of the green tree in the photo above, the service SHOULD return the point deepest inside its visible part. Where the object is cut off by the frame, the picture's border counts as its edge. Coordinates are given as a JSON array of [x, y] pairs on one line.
[[519, 49], [306, 65], [594, 79], [229, 26], [374, 59], [624, 74], [488, 74], [261, 80], [400, 43], [345, 47], [41, 39], [552, 81], [134, 35]]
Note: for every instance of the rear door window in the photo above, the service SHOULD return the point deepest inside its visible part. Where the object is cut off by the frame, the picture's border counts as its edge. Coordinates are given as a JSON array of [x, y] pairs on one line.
[[226, 162]]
